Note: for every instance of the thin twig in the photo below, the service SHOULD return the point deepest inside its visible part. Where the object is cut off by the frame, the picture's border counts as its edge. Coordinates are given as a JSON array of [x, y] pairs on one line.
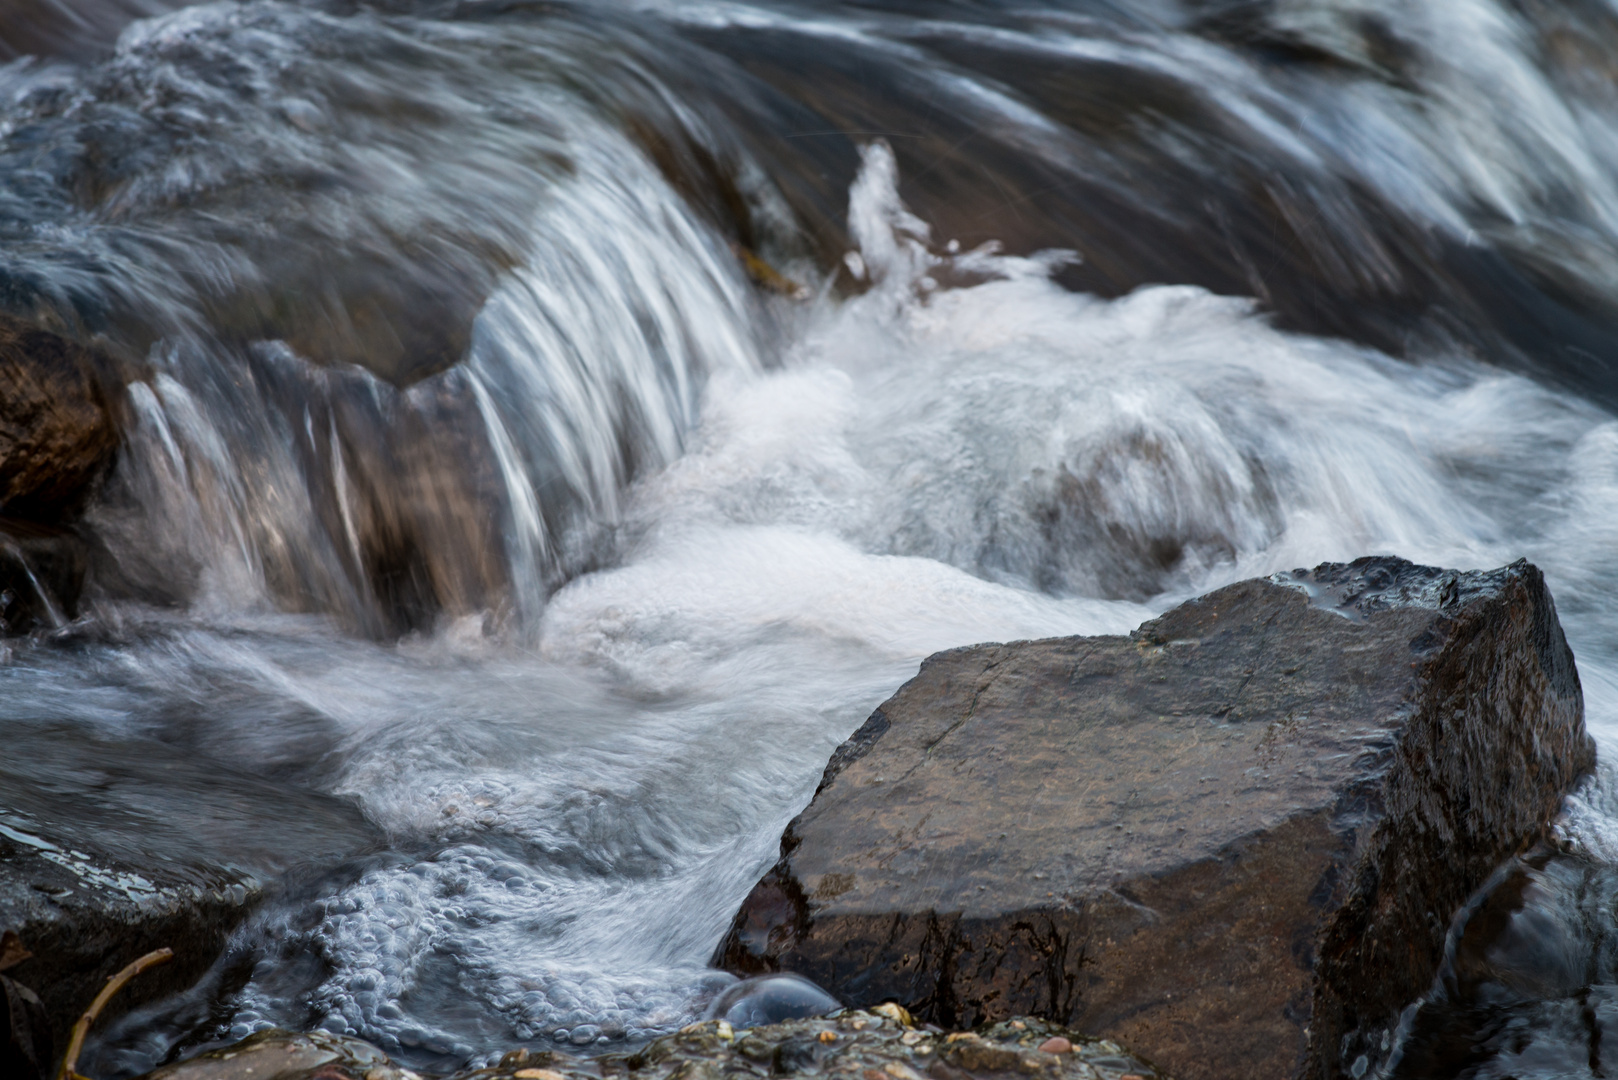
[[70, 1063]]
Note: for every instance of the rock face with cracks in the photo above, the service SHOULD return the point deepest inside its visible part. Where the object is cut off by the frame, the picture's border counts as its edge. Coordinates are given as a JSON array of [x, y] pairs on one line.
[[1234, 839], [880, 1044]]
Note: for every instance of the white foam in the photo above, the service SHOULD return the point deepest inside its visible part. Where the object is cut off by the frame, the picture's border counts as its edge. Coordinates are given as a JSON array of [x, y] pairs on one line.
[[889, 491], [576, 816]]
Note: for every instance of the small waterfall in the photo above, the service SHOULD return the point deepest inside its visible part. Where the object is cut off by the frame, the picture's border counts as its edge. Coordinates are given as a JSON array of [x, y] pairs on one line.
[[253, 476]]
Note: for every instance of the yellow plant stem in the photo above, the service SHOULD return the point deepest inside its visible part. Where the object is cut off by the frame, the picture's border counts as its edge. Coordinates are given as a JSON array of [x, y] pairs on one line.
[[70, 1062]]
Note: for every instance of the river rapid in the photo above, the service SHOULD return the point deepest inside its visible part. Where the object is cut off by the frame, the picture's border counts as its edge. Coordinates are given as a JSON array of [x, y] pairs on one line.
[[552, 428]]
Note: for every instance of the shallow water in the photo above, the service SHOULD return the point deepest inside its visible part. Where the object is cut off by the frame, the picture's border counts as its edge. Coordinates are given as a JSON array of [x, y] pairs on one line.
[[525, 561]]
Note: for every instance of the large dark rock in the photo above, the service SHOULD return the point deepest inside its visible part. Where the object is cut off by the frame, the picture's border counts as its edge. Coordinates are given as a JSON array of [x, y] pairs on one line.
[[56, 427], [111, 848], [1233, 839]]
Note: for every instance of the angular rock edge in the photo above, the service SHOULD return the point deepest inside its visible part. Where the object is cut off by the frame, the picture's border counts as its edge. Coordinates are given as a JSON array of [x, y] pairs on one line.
[[854, 1044], [83, 917], [1382, 736]]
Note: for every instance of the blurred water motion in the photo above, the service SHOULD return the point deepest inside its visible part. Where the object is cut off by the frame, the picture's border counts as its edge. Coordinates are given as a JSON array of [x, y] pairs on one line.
[[488, 474]]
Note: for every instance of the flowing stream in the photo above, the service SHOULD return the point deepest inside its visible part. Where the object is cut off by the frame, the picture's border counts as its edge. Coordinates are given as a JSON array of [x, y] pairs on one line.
[[551, 428]]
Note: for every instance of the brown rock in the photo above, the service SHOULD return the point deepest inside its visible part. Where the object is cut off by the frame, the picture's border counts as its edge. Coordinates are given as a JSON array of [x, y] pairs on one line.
[[98, 865], [1233, 839], [56, 429]]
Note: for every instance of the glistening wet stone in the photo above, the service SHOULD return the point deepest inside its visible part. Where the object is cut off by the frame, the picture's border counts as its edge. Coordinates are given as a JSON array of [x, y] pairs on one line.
[[1233, 839], [769, 999]]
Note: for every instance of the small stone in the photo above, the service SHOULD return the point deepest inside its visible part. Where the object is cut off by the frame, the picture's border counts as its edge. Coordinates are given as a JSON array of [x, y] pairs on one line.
[[911, 1038], [895, 1012], [769, 999], [754, 1048], [538, 1074], [828, 1036], [1018, 1025], [979, 1056], [1056, 1045]]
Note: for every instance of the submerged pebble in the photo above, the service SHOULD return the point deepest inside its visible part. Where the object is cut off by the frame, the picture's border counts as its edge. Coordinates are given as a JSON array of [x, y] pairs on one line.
[[769, 999]]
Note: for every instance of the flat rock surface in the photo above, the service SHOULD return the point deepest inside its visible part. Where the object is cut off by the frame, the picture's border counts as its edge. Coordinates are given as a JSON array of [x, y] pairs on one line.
[[1233, 839], [852, 1045]]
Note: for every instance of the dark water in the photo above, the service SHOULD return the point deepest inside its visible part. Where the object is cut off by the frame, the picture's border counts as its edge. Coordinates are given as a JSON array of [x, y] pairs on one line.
[[493, 512]]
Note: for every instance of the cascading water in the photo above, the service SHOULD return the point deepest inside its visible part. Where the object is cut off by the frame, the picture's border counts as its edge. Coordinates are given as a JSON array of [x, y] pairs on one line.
[[468, 481]]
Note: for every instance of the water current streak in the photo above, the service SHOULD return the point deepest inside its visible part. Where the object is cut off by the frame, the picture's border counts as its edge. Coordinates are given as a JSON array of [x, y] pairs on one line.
[[479, 515]]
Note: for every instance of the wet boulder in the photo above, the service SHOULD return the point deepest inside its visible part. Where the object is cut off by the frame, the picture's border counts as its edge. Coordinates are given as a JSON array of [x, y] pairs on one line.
[[57, 433], [111, 847], [1233, 839], [881, 1044], [83, 916]]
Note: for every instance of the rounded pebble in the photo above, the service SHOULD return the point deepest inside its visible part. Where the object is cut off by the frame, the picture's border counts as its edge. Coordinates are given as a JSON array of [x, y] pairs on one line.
[[770, 999]]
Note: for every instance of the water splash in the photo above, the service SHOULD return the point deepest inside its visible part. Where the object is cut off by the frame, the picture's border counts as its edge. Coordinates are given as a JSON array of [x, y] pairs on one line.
[[572, 831], [755, 521]]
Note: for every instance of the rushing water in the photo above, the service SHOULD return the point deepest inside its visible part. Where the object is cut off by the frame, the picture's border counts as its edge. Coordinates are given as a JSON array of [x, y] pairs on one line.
[[468, 479]]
